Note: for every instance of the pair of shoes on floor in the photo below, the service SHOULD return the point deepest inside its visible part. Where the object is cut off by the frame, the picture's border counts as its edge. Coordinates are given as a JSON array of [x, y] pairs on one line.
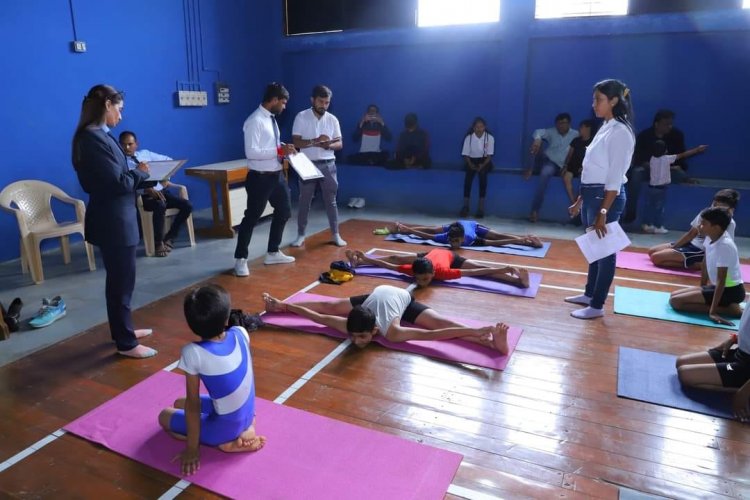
[[11, 317], [660, 230], [356, 203], [51, 310]]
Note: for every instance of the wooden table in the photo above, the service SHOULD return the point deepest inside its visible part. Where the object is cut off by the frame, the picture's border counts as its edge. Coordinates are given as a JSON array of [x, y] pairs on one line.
[[221, 176]]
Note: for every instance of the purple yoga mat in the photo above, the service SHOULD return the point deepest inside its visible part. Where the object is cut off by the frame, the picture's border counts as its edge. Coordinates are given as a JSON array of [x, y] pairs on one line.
[[642, 262], [507, 249], [465, 282], [306, 455], [457, 350]]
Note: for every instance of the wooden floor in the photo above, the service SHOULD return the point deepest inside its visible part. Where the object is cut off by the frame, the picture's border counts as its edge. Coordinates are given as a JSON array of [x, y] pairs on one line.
[[550, 425]]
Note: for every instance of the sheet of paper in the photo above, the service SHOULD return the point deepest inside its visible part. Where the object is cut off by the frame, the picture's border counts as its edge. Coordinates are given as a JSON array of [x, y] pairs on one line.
[[163, 170], [304, 167], [595, 248]]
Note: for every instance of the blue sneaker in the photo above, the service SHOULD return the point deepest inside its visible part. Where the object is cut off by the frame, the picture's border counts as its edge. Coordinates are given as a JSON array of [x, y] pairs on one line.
[[51, 311]]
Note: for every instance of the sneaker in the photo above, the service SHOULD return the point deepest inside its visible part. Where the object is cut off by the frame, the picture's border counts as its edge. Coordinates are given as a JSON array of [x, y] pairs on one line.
[[298, 242], [240, 268], [648, 228], [277, 258], [336, 239], [582, 300], [351, 203], [359, 203], [51, 311], [381, 231], [661, 230]]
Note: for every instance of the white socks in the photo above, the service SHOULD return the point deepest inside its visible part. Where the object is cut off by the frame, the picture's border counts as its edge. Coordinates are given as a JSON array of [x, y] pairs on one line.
[[582, 300], [587, 313]]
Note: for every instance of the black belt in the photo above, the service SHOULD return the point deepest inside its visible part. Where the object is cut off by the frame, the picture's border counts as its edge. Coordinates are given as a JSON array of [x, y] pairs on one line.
[[261, 172]]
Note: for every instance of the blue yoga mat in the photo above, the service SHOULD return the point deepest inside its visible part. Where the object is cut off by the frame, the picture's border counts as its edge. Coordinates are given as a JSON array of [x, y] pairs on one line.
[[655, 305], [652, 377], [507, 249]]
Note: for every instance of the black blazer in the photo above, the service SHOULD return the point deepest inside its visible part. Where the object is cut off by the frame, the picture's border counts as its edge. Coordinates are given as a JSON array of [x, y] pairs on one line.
[[111, 218]]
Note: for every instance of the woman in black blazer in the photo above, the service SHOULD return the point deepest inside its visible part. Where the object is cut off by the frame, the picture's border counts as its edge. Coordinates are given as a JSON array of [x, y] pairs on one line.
[[111, 219]]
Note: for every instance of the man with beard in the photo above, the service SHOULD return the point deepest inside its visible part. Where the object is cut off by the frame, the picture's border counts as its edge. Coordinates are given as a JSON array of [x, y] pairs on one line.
[[317, 133], [265, 182]]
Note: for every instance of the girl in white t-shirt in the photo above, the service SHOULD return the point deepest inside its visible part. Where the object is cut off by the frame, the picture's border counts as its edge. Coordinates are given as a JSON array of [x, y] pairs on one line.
[[689, 250], [478, 148], [721, 290]]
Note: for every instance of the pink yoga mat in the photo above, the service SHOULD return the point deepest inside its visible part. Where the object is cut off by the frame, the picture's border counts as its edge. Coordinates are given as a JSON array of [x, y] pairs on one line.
[[642, 262], [481, 284], [457, 350], [306, 456]]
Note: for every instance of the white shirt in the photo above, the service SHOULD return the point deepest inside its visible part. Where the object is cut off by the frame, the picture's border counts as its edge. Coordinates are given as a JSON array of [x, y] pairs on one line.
[[370, 144], [387, 303], [661, 169], [699, 241], [261, 141], [308, 126], [608, 156], [478, 147], [723, 253], [557, 145], [743, 335]]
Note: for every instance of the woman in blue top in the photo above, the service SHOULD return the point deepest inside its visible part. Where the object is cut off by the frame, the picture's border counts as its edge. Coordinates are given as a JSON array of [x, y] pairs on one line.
[[111, 220], [602, 197]]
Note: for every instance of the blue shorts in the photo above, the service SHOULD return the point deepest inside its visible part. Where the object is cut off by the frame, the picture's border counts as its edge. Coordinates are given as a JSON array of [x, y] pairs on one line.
[[691, 254], [215, 429]]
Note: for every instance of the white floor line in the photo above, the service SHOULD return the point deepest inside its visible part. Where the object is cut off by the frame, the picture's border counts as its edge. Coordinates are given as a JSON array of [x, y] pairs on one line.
[[469, 494], [31, 449], [539, 268]]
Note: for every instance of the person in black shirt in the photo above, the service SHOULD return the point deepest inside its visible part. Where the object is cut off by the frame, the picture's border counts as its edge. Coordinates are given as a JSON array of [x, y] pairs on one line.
[[413, 150], [574, 160]]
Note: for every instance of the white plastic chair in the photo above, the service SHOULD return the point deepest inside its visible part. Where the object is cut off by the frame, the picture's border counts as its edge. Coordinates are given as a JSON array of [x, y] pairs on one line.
[[147, 221], [30, 202]]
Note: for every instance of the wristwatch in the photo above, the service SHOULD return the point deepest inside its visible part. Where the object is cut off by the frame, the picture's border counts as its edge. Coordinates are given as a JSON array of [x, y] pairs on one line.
[[603, 211]]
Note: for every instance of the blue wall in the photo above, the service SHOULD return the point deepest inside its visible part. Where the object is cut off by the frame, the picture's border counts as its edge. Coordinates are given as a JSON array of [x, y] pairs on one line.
[[521, 72], [138, 46], [517, 73]]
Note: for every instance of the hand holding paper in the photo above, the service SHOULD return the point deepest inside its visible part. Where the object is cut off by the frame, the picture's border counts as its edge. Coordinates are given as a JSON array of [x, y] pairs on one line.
[[595, 248]]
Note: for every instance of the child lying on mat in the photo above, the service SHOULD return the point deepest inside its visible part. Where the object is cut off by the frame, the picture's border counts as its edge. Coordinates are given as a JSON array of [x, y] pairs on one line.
[[440, 264], [221, 360], [466, 233], [380, 313], [726, 367], [722, 290], [689, 250]]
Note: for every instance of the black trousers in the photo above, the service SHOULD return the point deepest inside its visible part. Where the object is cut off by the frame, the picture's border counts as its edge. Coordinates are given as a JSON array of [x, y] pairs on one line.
[[469, 178], [262, 188], [159, 208], [119, 262]]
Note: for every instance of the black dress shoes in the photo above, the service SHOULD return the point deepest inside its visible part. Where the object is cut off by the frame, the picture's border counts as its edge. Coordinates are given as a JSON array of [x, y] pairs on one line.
[[13, 314]]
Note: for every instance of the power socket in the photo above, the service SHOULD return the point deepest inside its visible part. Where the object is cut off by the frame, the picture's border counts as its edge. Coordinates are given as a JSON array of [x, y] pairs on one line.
[[192, 98], [78, 46]]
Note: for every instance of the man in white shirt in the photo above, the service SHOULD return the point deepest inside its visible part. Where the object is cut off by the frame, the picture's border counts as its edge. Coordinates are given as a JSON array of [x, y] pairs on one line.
[[317, 133], [265, 182], [558, 139], [157, 198]]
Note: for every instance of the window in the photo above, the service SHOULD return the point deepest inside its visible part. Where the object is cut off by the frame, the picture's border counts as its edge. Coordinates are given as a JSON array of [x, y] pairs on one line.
[[746, 4], [445, 12], [547, 9]]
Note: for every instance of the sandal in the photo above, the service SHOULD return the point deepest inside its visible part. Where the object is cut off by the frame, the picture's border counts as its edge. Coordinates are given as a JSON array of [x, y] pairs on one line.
[[162, 250]]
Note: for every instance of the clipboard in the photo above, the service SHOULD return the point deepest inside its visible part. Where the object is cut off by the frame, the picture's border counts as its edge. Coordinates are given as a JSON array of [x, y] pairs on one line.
[[595, 248], [305, 168], [162, 170]]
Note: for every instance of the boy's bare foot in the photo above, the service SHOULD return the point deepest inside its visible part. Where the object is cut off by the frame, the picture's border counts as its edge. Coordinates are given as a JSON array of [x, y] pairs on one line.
[[272, 304], [523, 276], [246, 442], [351, 257], [534, 241], [500, 338]]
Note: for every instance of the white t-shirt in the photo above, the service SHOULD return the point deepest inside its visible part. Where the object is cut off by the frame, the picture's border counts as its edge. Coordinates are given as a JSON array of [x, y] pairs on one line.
[[661, 169], [723, 253], [370, 143], [308, 127], [743, 335], [478, 147], [699, 241], [387, 303]]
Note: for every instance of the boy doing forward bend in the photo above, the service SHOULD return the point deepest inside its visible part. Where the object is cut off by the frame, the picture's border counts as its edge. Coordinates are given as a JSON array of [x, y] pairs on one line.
[[225, 418], [466, 233], [440, 264], [363, 317]]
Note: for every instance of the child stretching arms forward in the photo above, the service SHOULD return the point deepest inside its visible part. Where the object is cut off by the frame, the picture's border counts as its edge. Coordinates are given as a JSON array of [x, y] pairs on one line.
[[721, 290], [221, 360]]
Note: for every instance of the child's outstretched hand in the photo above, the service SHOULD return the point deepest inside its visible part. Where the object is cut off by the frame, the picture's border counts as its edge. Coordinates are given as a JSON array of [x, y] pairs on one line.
[[718, 319], [273, 304], [190, 461]]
